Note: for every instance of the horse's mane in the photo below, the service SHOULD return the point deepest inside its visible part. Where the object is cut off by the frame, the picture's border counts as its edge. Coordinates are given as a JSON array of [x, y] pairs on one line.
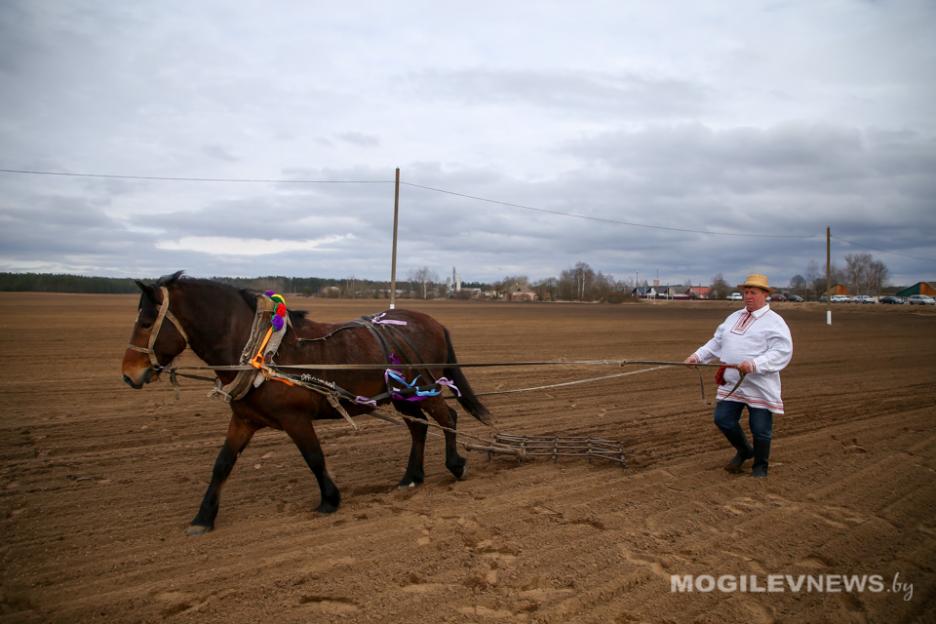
[[250, 297]]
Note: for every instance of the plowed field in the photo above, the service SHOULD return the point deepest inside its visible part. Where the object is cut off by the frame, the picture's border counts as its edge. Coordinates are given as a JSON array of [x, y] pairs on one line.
[[98, 481]]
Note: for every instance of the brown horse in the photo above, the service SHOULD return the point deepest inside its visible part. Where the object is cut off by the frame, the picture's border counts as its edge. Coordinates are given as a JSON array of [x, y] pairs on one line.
[[215, 321]]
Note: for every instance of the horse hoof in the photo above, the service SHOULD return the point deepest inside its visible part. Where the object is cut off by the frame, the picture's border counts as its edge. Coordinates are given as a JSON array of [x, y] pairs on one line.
[[410, 482], [195, 530], [460, 472], [326, 508]]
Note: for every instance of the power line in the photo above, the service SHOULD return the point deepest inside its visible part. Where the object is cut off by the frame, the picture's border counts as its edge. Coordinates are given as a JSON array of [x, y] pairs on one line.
[[606, 220], [893, 253], [113, 176]]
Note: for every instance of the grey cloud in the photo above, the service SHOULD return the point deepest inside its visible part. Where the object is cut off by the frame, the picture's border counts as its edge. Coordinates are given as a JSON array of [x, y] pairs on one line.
[[219, 152], [295, 216], [359, 139], [53, 226], [817, 162], [63, 213], [620, 94], [642, 116]]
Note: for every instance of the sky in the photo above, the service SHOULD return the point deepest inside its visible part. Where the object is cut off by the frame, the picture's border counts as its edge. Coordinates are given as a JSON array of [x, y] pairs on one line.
[[667, 139]]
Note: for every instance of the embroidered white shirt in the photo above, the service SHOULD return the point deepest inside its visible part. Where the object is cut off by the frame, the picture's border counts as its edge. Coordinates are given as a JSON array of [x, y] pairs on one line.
[[764, 338]]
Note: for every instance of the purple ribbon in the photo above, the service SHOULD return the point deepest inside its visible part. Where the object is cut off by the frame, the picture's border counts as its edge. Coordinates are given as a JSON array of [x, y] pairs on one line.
[[360, 400]]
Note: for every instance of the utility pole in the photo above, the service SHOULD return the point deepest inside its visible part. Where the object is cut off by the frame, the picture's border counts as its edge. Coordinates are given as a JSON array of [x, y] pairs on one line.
[[828, 273], [396, 218]]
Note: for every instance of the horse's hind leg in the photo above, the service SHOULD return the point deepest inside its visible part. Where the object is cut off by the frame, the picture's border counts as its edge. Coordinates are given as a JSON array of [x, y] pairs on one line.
[[446, 416], [238, 436], [300, 429], [417, 426]]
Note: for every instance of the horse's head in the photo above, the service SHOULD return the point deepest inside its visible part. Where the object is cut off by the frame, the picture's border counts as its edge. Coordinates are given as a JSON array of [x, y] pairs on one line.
[[153, 343]]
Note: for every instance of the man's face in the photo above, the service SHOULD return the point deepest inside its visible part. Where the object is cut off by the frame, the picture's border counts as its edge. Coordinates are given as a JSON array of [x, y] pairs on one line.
[[754, 298]]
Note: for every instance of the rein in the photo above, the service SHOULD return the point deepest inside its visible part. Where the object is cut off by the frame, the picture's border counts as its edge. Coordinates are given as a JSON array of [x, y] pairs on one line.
[[331, 390], [352, 367], [252, 361]]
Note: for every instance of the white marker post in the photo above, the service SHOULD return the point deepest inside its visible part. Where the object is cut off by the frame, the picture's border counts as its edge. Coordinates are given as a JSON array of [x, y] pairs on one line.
[[396, 217], [828, 273]]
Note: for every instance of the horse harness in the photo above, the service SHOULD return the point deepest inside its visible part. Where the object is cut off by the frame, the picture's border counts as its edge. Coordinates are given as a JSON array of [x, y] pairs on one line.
[[163, 314], [383, 333], [254, 366]]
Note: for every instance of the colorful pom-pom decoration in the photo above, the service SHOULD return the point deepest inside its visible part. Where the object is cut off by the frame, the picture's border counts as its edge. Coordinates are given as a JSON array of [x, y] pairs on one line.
[[278, 318], [278, 323]]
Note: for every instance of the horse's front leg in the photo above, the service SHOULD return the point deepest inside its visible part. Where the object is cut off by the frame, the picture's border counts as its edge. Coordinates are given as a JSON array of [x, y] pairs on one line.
[[300, 429], [238, 436]]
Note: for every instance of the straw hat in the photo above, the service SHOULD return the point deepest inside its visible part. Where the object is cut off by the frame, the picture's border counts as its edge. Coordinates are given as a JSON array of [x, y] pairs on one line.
[[757, 280]]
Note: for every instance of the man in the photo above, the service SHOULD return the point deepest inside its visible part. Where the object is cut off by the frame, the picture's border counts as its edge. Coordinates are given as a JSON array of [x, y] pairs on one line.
[[758, 342]]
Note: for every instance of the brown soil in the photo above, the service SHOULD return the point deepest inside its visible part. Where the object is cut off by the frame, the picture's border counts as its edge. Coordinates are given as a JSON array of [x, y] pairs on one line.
[[98, 481]]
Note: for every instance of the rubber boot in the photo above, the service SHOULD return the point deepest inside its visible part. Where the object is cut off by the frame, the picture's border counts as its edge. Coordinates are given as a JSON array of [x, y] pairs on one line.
[[761, 455], [744, 450]]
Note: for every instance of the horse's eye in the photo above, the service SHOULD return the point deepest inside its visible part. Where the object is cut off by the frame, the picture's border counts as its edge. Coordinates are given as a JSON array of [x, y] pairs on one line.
[[144, 322]]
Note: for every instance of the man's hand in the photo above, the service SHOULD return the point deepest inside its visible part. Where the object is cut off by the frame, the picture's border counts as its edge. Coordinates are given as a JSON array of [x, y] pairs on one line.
[[691, 360], [747, 367]]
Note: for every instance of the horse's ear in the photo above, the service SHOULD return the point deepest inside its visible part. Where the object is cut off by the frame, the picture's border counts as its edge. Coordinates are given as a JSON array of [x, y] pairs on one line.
[[147, 290], [170, 279]]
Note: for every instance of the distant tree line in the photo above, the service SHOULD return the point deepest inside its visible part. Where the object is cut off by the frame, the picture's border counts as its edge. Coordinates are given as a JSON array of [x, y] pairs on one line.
[[862, 274], [56, 282], [577, 283], [48, 282], [348, 288], [421, 285]]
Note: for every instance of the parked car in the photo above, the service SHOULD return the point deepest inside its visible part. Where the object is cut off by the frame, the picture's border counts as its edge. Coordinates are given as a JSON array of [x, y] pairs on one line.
[[865, 299], [795, 298], [777, 297], [735, 296], [840, 299], [921, 300], [893, 300]]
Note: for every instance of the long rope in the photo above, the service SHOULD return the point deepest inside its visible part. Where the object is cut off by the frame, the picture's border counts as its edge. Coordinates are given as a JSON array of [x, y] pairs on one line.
[[174, 373], [353, 367], [566, 383], [485, 444]]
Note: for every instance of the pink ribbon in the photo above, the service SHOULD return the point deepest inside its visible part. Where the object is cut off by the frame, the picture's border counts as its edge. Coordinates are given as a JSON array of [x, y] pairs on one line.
[[380, 320], [359, 400], [448, 383]]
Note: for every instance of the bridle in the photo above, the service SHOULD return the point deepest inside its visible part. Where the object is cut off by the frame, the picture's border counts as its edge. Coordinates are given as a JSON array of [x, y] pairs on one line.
[[163, 314]]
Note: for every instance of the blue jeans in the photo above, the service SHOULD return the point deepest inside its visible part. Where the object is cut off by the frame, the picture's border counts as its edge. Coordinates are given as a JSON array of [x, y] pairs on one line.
[[728, 416]]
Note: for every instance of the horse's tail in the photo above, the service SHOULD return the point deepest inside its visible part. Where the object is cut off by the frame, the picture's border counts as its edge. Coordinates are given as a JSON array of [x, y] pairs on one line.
[[467, 400]]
